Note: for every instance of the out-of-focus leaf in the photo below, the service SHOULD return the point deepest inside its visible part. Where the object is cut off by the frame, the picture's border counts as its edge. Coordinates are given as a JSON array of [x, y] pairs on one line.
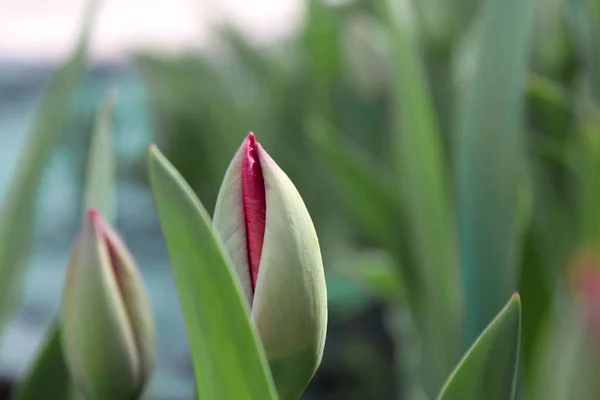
[[322, 40], [17, 209], [420, 158], [588, 172], [100, 177], [585, 24], [365, 50], [565, 362], [401, 325], [464, 60], [467, 10], [437, 21], [375, 272], [546, 92], [593, 11], [534, 287], [551, 47], [489, 368], [547, 244], [367, 188], [49, 377], [549, 113], [253, 59], [491, 160], [228, 357]]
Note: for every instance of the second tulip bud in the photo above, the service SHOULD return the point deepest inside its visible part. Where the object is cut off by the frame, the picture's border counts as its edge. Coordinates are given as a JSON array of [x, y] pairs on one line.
[[107, 327]]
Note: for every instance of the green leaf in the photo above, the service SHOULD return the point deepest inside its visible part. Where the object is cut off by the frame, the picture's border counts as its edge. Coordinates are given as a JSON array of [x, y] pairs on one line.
[[17, 209], [228, 357], [426, 199], [99, 193], [491, 160], [489, 369], [49, 376]]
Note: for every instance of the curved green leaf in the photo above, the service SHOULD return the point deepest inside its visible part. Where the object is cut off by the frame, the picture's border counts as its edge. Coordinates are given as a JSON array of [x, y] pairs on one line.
[[228, 357], [17, 209], [489, 369]]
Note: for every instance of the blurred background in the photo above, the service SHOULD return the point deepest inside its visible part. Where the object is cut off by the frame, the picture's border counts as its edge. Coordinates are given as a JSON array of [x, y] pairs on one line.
[[448, 158]]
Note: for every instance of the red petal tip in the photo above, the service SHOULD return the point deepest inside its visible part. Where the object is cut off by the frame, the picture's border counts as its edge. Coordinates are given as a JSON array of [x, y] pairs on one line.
[[252, 138], [516, 294], [93, 214]]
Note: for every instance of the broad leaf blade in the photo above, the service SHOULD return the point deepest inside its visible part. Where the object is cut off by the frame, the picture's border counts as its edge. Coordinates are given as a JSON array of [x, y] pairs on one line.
[[228, 357], [489, 369], [18, 207], [490, 160]]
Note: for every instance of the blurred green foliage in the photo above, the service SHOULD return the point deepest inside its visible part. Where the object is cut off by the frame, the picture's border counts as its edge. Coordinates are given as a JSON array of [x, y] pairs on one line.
[[448, 152], [458, 138]]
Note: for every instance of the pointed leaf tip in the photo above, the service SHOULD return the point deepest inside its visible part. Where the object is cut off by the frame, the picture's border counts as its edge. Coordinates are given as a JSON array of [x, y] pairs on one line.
[[489, 368]]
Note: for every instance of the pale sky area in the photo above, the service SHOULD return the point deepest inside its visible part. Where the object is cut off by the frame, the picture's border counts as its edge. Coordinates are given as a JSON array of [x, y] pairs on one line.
[[47, 29]]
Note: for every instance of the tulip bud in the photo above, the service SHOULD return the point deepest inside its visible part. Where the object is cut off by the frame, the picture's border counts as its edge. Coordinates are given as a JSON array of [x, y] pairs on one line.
[[107, 326], [272, 243]]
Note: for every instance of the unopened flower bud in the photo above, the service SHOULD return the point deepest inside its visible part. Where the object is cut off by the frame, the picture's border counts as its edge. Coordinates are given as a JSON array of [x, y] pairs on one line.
[[107, 326], [272, 242]]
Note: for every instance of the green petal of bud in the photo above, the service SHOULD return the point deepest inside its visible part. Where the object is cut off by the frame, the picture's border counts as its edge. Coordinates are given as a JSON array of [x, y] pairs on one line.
[[289, 302], [106, 320]]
